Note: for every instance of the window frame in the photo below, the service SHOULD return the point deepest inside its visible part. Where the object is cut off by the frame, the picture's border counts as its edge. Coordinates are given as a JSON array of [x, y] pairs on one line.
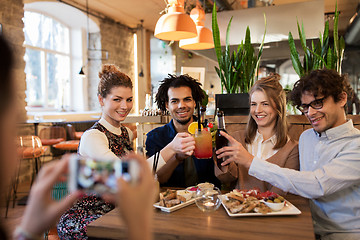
[[44, 55]]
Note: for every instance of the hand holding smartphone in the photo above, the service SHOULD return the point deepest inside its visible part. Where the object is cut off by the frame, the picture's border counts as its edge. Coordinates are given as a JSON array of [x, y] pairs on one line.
[[100, 176]]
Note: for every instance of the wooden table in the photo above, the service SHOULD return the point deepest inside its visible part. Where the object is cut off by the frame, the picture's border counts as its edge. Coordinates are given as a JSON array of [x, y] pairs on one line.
[[191, 223]]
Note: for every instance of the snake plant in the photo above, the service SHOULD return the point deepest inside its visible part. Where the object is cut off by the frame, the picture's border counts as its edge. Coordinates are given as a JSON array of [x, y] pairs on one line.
[[321, 55], [237, 69]]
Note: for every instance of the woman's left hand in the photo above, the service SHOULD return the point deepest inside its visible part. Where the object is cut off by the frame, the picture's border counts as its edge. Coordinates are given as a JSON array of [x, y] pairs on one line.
[[235, 152], [41, 211]]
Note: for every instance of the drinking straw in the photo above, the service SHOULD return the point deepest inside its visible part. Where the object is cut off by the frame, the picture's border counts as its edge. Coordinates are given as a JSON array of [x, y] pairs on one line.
[[199, 116]]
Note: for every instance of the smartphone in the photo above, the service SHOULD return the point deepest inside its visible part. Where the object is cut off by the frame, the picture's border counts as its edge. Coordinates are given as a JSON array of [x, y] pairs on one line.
[[99, 176]]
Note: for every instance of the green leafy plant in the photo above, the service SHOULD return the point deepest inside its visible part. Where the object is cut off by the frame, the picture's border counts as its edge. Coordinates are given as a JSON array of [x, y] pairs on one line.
[[238, 69], [321, 55]]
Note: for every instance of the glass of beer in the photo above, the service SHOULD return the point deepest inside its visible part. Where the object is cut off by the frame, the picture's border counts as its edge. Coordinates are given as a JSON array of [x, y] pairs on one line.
[[203, 144]]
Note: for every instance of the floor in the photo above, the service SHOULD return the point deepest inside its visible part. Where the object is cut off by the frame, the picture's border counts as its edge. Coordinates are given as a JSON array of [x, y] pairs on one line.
[[15, 214]]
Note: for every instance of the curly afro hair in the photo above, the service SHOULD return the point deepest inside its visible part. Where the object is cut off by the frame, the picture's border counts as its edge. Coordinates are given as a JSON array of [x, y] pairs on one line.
[[177, 81]]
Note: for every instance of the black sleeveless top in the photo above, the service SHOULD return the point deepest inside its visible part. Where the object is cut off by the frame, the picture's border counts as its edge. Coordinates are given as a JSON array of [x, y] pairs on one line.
[[118, 144]]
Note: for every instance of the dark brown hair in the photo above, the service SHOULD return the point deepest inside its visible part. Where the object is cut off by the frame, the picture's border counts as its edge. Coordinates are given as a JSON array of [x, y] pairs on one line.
[[324, 82], [178, 81], [6, 64], [272, 88], [111, 76], [6, 97]]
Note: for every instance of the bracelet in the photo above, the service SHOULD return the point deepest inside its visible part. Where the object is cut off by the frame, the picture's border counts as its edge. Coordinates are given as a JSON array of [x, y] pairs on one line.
[[21, 234]]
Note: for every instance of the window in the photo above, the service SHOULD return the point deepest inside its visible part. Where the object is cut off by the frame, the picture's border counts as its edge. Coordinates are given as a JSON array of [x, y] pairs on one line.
[[47, 57]]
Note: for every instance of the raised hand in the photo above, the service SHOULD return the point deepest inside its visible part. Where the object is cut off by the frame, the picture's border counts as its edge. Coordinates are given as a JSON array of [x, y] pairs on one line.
[[183, 144], [235, 152], [42, 212], [135, 201]]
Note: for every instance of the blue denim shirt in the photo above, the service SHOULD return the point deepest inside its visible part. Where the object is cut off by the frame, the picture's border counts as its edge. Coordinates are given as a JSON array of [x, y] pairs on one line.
[[158, 138]]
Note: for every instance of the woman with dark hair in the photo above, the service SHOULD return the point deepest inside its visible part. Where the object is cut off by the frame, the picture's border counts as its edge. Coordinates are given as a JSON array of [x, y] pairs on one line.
[[265, 137]]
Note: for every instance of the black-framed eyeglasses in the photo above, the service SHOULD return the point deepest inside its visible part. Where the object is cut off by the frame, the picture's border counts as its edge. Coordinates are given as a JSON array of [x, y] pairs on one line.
[[316, 104]]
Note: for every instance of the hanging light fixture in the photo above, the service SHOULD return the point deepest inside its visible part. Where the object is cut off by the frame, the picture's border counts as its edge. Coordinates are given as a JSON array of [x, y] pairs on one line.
[[204, 38], [92, 53], [175, 24], [82, 71]]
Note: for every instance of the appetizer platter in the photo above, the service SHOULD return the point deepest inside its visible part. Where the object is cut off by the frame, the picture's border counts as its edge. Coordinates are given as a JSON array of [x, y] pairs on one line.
[[172, 200], [243, 203]]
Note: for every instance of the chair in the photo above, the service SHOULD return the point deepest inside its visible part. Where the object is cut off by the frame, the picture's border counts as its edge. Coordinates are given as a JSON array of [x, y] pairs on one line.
[[70, 146], [52, 135], [29, 148], [72, 133]]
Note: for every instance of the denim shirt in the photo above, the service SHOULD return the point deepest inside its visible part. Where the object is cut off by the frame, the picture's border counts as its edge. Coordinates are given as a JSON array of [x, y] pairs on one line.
[[329, 176], [158, 138]]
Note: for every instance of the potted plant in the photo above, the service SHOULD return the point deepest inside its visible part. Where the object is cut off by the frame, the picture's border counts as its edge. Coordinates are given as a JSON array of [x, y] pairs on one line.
[[237, 70], [321, 55]]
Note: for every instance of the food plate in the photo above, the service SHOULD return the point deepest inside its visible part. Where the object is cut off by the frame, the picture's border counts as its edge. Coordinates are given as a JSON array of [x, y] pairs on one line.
[[288, 209], [176, 207]]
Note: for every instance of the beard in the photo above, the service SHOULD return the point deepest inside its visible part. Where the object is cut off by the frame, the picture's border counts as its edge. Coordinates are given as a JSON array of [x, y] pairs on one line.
[[183, 122]]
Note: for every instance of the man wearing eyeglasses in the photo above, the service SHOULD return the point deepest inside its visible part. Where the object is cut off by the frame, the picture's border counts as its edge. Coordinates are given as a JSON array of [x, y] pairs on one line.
[[329, 157]]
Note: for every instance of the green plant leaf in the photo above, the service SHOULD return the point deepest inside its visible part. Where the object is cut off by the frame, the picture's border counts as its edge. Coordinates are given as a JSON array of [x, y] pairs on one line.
[[295, 56], [329, 59], [228, 33], [216, 35], [341, 55], [336, 33], [302, 37]]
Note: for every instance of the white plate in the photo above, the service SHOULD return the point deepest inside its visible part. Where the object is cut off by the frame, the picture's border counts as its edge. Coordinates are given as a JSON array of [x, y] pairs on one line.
[[176, 207], [288, 209]]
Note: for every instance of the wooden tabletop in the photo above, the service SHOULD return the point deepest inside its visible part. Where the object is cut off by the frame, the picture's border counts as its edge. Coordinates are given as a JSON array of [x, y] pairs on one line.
[[191, 223]]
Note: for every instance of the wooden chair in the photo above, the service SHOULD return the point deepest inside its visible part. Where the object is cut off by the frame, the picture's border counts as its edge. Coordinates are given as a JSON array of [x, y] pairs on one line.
[[29, 148], [50, 136], [69, 146], [72, 133]]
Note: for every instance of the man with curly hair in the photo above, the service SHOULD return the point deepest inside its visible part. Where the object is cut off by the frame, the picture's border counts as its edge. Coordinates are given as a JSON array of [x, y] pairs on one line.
[[329, 157], [177, 167]]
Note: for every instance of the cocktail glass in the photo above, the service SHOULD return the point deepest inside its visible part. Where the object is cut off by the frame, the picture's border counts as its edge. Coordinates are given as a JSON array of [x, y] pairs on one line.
[[203, 144]]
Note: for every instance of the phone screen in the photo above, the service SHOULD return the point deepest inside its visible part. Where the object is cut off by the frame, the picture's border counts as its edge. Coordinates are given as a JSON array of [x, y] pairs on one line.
[[97, 176]]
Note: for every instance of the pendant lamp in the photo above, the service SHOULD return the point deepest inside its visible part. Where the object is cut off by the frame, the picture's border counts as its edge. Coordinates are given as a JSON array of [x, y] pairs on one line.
[[175, 24], [204, 38]]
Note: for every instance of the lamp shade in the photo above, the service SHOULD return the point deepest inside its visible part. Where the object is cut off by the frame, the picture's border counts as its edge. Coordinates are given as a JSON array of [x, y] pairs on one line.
[[175, 25], [204, 38]]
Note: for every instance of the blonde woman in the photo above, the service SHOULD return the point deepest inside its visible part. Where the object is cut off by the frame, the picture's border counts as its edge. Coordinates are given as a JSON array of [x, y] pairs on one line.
[[266, 137]]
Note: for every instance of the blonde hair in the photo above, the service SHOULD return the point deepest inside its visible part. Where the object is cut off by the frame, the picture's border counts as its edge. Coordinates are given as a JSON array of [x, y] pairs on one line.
[[272, 88]]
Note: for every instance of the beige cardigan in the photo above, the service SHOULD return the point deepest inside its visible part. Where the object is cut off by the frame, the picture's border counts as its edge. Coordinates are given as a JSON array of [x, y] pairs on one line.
[[238, 177]]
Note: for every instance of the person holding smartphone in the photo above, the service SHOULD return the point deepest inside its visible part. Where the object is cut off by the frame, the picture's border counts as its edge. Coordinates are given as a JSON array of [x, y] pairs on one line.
[[41, 213], [107, 139], [266, 137]]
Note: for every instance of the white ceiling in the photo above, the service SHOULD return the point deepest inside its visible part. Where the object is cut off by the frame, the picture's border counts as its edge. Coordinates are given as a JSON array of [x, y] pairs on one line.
[[130, 12]]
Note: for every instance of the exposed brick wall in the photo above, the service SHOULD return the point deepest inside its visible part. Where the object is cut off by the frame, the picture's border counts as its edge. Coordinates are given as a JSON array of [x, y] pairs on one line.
[[118, 41], [113, 37]]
